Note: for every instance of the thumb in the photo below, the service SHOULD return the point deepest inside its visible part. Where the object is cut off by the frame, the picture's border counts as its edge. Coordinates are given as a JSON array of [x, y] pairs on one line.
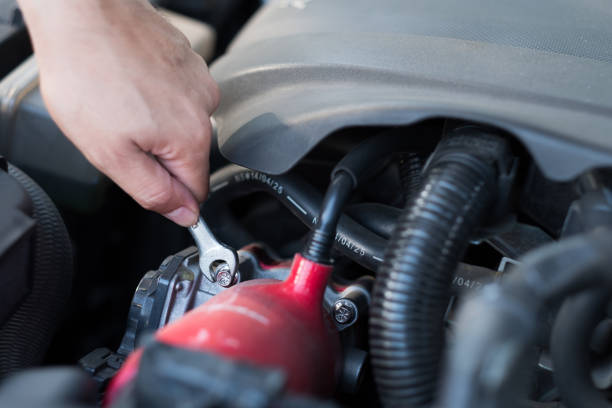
[[153, 187]]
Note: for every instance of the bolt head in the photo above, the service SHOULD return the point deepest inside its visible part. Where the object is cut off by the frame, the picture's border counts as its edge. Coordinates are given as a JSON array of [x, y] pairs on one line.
[[223, 275], [345, 311], [224, 279]]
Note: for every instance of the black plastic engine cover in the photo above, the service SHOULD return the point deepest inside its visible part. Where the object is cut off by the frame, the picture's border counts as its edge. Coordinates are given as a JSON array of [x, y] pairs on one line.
[[304, 68]]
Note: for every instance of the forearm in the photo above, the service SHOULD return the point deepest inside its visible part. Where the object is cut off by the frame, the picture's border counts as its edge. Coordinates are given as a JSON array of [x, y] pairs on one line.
[[49, 21]]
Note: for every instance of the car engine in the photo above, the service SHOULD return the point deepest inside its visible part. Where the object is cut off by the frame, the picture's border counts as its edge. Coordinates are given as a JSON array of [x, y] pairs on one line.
[[416, 195]]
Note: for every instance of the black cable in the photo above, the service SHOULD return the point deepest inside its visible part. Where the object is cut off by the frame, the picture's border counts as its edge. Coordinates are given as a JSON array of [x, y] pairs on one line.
[[376, 217], [355, 168], [351, 239]]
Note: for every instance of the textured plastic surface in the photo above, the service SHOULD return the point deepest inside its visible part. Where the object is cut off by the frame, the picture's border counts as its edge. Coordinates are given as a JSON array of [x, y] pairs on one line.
[[16, 228], [411, 292], [31, 140], [265, 322], [25, 336], [541, 70]]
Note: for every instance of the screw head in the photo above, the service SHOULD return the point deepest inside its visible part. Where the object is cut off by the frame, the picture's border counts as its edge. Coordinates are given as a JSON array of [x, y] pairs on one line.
[[345, 311], [223, 275]]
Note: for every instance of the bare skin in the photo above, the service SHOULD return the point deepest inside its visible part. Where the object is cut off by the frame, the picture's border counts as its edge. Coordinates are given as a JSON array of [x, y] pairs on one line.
[[126, 88]]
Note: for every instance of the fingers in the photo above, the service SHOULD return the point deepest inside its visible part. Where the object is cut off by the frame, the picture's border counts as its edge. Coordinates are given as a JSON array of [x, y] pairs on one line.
[[187, 161], [153, 187]]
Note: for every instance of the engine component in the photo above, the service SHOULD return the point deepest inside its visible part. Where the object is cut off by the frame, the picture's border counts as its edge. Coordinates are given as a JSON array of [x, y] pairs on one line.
[[57, 387], [214, 381], [411, 293], [267, 322], [27, 332], [17, 226], [570, 346], [345, 311], [376, 66], [102, 365], [351, 239], [353, 303], [354, 367], [359, 165], [500, 324], [165, 295], [321, 238]]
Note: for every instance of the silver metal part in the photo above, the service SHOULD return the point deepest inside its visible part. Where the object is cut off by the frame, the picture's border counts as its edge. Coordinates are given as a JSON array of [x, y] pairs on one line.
[[352, 304], [212, 252], [195, 290], [223, 275], [345, 311]]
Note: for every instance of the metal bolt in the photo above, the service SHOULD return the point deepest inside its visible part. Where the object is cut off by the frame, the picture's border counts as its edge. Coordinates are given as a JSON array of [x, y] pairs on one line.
[[223, 275], [345, 311]]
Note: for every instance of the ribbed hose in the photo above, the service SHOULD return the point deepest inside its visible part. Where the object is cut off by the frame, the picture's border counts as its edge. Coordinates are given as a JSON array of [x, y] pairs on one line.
[[412, 289], [410, 167], [321, 240], [26, 335]]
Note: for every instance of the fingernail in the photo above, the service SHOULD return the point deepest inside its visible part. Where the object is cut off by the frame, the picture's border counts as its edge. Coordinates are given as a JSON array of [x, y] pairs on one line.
[[182, 216]]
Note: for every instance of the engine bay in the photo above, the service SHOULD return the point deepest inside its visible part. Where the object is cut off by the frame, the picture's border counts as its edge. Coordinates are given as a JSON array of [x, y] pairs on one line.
[[416, 194]]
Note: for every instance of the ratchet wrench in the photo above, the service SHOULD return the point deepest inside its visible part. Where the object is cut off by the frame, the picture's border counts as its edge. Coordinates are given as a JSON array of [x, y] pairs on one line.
[[218, 262]]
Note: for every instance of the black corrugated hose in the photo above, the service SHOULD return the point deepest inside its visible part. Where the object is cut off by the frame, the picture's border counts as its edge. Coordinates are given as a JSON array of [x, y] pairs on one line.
[[26, 335], [412, 289]]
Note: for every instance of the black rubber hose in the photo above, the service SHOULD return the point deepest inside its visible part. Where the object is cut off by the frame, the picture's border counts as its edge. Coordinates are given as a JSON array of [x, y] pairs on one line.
[[318, 247], [376, 217], [355, 168], [412, 289], [351, 239], [26, 335], [372, 155], [570, 348], [493, 350]]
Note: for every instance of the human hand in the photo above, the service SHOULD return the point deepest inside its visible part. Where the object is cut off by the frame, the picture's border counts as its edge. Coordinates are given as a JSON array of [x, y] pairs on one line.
[[128, 91]]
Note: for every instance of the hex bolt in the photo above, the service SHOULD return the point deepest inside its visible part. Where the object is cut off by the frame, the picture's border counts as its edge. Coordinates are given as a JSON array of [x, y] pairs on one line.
[[345, 311], [223, 275]]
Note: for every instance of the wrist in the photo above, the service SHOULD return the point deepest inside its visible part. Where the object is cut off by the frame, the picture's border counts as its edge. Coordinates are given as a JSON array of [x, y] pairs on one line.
[[47, 23]]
